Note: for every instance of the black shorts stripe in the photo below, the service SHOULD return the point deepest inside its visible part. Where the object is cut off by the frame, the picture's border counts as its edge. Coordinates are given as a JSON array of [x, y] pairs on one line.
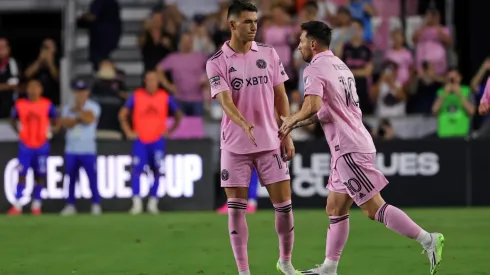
[[381, 213], [337, 220], [358, 172]]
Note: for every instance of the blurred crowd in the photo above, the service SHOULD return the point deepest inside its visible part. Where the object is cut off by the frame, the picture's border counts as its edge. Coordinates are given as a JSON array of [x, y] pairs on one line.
[[397, 72]]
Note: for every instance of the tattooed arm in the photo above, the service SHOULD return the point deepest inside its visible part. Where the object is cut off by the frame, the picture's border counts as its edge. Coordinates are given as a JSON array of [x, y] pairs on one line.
[[312, 120]]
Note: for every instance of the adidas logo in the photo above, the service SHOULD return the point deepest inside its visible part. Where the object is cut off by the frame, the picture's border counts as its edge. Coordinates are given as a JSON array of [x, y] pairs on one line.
[[361, 195], [234, 233], [231, 70]]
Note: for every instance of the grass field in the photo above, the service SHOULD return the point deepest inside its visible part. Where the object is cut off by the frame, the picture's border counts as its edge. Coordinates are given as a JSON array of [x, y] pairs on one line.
[[197, 243]]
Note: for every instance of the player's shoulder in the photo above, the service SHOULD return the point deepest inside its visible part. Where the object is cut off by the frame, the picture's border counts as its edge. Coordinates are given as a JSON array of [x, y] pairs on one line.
[[215, 57]]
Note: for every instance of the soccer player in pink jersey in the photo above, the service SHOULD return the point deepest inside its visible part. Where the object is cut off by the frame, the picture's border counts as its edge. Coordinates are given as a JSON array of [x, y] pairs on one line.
[[331, 98], [248, 79]]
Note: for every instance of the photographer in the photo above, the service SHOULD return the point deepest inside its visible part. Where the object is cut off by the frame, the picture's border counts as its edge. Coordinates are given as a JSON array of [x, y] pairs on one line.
[[453, 108], [388, 93]]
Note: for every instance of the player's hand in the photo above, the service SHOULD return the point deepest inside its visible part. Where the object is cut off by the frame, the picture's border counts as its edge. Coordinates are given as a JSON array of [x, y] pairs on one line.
[[287, 148], [249, 129], [131, 135], [483, 108], [286, 127]]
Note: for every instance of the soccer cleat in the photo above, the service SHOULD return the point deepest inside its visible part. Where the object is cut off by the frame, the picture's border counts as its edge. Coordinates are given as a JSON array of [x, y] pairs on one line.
[[137, 206], [96, 209], [286, 269], [315, 271], [36, 211], [223, 209], [14, 211], [152, 206], [434, 252], [251, 209], [69, 210]]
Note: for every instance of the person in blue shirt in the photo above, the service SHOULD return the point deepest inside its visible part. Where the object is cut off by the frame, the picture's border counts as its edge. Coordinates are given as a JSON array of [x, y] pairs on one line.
[[80, 120], [363, 10]]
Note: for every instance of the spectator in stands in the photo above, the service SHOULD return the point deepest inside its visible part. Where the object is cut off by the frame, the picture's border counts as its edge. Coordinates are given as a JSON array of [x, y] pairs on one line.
[[154, 42], [222, 32], [281, 35], [480, 83], [9, 78], [385, 130], [479, 80], [363, 10], [401, 56], [200, 36], [423, 90], [431, 41], [309, 12], [109, 90], [342, 32], [186, 68], [359, 57], [105, 27], [46, 69], [388, 93], [453, 107]]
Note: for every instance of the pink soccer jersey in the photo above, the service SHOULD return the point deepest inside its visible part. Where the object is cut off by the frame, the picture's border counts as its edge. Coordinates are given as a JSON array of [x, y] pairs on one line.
[[486, 93], [341, 118], [251, 79]]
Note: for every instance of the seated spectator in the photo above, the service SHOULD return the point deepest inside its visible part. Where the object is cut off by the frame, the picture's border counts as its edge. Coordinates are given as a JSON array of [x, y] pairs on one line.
[[110, 92], [46, 70], [342, 32], [401, 56], [363, 10], [431, 41], [154, 42], [9, 79], [183, 64], [358, 56], [423, 90], [280, 35], [453, 107], [388, 93], [200, 36]]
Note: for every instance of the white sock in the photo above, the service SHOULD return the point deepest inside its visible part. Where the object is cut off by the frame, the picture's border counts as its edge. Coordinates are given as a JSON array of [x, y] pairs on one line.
[[244, 272], [36, 204], [285, 263], [329, 266], [424, 238]]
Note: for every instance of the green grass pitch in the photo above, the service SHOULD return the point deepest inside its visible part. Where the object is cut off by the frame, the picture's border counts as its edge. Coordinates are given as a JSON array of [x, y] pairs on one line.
[[197, 243]]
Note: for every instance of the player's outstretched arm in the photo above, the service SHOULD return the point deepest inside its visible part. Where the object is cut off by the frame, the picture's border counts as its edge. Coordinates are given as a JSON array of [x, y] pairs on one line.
[[228, 106], [311, 105], [306, 122]]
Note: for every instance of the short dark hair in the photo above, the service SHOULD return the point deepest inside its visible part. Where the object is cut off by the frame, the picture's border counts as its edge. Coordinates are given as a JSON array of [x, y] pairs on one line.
[[310, 4], [318, 31], [239, 6], [358, 21]]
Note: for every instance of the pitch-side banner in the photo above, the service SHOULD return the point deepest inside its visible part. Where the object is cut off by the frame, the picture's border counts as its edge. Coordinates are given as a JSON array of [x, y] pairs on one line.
[[421, 173], [187, 184]]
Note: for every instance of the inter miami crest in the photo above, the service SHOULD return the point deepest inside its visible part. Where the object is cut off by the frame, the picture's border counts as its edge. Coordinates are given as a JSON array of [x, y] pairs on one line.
[[261, 64], [225, 175]]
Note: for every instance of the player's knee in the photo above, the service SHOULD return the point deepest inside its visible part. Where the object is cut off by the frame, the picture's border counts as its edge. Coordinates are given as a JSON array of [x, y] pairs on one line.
[[371, 207], [279, 192], [236, 192], [335, 211]]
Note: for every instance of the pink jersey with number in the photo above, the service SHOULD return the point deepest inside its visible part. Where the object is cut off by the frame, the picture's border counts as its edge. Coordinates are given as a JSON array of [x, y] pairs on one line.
[[251, 79], [341, 118]]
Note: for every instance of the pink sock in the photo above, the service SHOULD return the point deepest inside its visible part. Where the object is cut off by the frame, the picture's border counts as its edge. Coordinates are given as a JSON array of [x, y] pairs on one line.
[[337, 235], [396, 220], [237, 225], [285, 229]]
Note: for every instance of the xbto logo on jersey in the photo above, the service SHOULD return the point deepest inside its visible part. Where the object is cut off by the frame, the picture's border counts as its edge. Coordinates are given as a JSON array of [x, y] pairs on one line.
[[256, 80], [237, 83]]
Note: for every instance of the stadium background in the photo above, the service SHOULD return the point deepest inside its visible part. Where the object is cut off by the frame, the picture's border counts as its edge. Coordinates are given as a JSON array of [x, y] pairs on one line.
[[425, 171]]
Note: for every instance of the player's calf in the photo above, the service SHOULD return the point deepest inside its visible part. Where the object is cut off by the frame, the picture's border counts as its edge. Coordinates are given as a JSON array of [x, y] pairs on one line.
[[237, 225]]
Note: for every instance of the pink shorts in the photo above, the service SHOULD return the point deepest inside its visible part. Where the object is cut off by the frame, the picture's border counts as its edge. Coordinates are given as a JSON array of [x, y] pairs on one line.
[[355, 174], [236, 169]]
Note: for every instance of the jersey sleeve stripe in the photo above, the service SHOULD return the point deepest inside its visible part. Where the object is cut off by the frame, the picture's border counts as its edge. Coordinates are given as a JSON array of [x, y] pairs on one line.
[[218, 54]]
